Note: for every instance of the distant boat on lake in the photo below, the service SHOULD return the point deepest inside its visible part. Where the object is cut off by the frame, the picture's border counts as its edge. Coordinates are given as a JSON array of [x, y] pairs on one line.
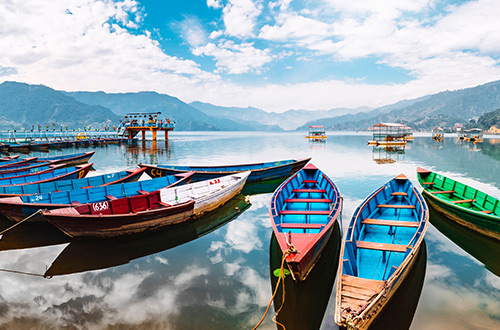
[[317, 133]]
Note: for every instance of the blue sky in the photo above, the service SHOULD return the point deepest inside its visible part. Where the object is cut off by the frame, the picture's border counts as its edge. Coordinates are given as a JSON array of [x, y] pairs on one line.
[[274, 55]]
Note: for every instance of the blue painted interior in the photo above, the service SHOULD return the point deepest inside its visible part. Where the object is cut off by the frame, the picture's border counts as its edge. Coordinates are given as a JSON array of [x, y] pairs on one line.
[[36, 177], [376, 264], [285, 191], [61, 185], [98, 194]]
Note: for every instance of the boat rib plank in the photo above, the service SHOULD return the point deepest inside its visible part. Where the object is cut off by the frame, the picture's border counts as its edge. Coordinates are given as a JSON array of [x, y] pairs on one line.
[[395, 223]]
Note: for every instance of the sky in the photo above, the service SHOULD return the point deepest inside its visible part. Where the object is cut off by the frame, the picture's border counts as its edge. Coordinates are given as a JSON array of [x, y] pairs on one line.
[[273, 55]]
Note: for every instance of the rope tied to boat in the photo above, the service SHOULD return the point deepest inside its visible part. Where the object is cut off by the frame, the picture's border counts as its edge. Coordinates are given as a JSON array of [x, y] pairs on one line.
[[18, 223], [280, 278]]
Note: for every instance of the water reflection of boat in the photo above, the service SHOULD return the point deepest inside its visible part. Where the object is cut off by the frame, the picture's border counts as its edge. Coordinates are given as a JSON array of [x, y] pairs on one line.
[[262, 187], [461, 203], [305, 302], [388, 154], [483, 248], [399, 311], [379, 251], [81, 256], [30, 235]]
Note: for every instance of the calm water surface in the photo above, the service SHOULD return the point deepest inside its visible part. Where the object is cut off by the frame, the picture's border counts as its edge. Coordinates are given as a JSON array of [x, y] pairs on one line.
[[217, 273]]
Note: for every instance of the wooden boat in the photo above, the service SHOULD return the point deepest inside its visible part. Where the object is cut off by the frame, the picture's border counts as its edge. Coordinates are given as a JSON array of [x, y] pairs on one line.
[[316, 133], [13, 172], [146, 212], [19, 207], [62, 185], [18, 146], [303, 210], [69, 160], [15, 162], [8, 158], [38, 146], [260, 171], [57, 173], [378, 251], [461, 203]]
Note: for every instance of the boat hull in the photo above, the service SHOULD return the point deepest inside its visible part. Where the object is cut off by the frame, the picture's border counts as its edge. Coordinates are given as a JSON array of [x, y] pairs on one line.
[[303, 210], [92, 226], [257, 175], [484, 224], [378, 251]]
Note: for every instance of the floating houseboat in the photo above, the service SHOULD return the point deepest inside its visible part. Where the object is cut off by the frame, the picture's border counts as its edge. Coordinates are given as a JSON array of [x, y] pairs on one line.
[[316, 133], [474, 135], [390, 134], [437, 134]]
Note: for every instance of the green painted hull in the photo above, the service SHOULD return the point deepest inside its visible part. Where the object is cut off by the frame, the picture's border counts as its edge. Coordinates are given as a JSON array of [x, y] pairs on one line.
[[465, 205]]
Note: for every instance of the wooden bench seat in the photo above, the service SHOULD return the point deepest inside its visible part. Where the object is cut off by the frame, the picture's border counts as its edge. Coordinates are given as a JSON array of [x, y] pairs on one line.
[[298, 212], [309, 191], [392, 206], [308, 200], [486, 211], [396, 223], [430, 183], [309, 181], [442, 192], [302, 225], [381, 246], [463, 201], [399, 193]]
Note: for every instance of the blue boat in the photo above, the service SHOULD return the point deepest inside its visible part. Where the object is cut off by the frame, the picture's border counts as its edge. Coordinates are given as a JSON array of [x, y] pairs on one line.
[[63, 185], [72, 159], [13, 172], [303, 210], [74, 172], [260, 171], [16, 162], [19, 207], [378, 252]]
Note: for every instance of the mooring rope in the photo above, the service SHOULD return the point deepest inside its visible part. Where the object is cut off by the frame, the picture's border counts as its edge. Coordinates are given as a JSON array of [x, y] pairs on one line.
[[18, 223], [23, 273], [282, 276]]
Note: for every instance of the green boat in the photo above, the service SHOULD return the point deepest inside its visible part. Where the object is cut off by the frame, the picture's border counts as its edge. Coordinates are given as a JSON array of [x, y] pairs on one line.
[[461, 203]]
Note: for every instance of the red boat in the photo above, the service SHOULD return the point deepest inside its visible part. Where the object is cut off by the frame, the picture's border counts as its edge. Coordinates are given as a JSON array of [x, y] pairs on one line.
[[119, 217]]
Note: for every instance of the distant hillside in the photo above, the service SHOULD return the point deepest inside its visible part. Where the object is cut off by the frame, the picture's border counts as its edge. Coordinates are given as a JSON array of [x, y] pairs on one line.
[[486, 120], [186, 117], [443, 109], [288, 120], [23, 105]]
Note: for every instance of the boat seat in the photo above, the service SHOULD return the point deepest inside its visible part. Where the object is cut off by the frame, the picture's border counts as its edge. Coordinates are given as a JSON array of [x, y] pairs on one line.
[[285, 212], [486, 211], [395, 206], [111, 197], [309, 181], [463, 201], [309, 190], [381, 246], [442, 192], [396, 223], [308, 200], [142, 192], [399, 193], [302, 225], [431, 183]]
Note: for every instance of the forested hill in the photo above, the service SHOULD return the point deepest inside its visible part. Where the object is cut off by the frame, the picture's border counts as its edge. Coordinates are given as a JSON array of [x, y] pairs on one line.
[[23, 105]]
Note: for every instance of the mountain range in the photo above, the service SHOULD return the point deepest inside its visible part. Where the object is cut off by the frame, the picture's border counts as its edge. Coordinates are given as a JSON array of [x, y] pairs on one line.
[[23, 105]]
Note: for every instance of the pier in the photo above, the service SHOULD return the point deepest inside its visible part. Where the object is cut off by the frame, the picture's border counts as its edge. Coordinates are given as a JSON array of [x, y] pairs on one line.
[[143, 122]]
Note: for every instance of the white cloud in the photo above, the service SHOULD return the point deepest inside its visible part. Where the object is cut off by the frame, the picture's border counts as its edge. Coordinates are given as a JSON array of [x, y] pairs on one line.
[[240, 17], [193, 32], [235, 58]]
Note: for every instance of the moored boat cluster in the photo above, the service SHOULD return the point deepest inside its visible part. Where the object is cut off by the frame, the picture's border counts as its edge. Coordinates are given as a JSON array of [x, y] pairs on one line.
[[378, 250]]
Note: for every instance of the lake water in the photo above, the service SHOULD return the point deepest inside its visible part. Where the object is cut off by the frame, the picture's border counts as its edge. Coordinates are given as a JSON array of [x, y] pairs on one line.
[[217, 273]]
